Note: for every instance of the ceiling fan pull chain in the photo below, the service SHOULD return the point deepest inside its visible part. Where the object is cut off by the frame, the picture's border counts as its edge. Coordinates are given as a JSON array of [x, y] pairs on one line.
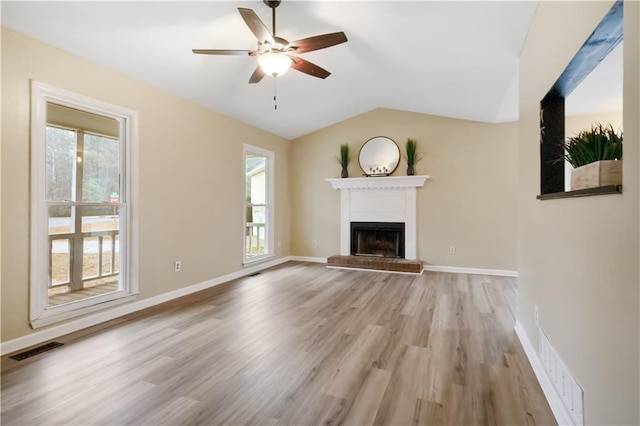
[[275, 94]]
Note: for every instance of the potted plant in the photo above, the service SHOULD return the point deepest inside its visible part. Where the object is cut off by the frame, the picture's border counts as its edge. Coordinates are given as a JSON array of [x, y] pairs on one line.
[[412, 156], [344, 159], [596, 157]]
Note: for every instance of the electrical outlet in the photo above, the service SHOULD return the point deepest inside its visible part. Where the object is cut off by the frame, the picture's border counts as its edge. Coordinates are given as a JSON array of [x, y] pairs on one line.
[[177, 266], [314, 243], [452, 250], [279, 244], [536, 316]]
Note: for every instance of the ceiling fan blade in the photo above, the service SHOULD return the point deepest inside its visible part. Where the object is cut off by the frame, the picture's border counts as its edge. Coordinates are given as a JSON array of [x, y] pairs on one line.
[[309, 68], [256, 26], [310, 44], [257, 75], [220, 52]]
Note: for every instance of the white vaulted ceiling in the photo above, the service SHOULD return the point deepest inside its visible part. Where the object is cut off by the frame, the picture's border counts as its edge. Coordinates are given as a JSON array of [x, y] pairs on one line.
[[454, 59]]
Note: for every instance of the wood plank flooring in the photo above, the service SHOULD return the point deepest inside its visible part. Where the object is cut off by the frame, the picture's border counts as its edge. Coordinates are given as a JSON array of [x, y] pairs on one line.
[[299, 344]]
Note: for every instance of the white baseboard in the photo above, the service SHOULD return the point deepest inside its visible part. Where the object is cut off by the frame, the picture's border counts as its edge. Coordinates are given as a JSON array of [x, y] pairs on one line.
[[562, 415], [461, 270], [53, 332], [308, 259]]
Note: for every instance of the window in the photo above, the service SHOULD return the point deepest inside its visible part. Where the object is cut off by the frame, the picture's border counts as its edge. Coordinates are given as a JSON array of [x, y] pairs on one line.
[[258, 221], [82, 228]]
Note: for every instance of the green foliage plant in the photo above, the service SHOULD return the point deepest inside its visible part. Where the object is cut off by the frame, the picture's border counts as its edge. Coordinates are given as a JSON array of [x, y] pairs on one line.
[[597, 143], [411, 149], [344, 158]]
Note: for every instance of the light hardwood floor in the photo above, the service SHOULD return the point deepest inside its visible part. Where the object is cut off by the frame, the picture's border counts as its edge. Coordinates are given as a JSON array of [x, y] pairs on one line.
[[298, 344]]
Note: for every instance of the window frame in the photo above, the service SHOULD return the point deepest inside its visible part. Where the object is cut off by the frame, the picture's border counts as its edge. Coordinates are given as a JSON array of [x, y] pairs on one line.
[[269, 204], [40, 314]]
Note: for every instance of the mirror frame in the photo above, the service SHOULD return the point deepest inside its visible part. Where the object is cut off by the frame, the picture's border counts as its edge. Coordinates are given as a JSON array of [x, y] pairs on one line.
[[380, 169]]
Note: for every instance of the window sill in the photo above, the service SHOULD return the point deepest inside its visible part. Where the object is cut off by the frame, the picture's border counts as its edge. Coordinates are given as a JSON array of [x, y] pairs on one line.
[[259, 259], [51, 316], [601, 190]]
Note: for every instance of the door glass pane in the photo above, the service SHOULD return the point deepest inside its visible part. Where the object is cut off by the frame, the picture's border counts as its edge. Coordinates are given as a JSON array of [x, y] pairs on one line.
[[256, 198]]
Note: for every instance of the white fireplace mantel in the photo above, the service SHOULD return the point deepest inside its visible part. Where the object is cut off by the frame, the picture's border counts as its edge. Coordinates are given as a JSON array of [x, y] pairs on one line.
[[387, 182], [379, 199]]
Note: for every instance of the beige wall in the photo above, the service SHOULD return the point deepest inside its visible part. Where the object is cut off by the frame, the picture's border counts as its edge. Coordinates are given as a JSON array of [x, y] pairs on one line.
[[190, 176], [470, 200], [578, 258], [576, 123]]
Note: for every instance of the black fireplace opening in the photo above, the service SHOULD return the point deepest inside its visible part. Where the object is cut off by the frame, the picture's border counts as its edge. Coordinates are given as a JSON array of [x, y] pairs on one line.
[[382, 239]]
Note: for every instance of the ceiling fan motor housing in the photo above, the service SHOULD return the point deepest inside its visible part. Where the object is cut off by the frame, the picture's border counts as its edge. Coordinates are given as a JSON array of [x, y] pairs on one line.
[[272, 3]]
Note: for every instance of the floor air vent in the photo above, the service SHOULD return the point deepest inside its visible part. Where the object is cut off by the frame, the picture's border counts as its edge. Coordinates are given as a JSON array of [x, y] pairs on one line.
[[36, 351], [254, 274]]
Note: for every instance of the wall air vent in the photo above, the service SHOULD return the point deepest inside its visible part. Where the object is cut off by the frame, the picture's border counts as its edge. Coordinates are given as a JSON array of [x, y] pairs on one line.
[[566, 386], [36, 351]]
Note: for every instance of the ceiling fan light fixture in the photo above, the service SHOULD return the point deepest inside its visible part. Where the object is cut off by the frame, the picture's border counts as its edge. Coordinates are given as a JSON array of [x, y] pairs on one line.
[[275, 54], [274, 64]]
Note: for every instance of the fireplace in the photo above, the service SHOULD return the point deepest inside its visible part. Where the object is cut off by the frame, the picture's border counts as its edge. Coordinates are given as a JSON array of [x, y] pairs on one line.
[[386, 208], [390, 199], [382, 239]]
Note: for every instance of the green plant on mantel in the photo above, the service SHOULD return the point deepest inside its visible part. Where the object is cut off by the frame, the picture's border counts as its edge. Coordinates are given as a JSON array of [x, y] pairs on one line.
[[591, 145], [344, 159], [412, 156]]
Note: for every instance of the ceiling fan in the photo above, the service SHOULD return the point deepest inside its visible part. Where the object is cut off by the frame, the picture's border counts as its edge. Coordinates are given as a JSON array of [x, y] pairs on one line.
[[275, 54]]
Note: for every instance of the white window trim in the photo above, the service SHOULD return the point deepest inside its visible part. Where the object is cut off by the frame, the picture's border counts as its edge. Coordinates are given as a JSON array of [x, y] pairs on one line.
[[40, 314], [270, 202]]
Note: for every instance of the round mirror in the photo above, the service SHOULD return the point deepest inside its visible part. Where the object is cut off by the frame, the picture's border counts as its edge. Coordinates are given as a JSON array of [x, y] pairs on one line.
[[379, 156]]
